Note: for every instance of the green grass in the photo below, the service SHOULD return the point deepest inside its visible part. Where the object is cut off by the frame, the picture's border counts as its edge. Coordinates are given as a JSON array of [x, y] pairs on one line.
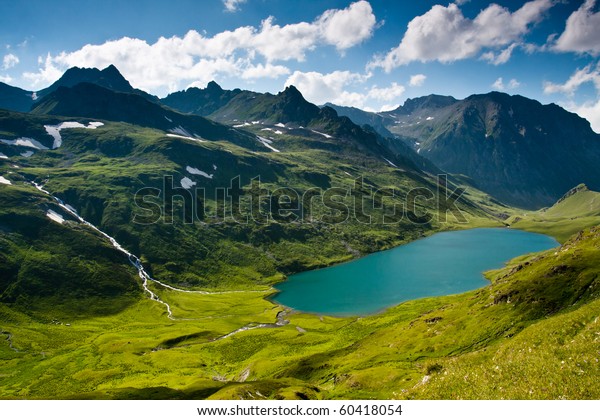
[[578, 210]]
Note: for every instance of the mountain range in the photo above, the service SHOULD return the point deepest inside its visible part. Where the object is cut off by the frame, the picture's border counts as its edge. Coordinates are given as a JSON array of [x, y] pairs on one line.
[[139, 232]]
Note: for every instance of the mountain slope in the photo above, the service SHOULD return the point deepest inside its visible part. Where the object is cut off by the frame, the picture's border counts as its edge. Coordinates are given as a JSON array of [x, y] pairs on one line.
[[109, 78], [520, 151], [290, 110], [93, 101], [14, 98]]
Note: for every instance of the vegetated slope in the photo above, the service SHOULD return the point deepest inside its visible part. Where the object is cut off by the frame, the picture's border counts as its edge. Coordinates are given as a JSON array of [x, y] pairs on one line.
[[99, 172], [201, 102], [14, 98], [522, 152], [52, 265], [578, 209]]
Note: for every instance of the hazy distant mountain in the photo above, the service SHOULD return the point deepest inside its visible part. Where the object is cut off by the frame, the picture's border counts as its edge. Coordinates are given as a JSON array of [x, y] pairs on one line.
[[200, 101]]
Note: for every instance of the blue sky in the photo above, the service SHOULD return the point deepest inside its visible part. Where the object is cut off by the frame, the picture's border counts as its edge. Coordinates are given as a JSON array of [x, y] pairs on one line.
[[370, 54]]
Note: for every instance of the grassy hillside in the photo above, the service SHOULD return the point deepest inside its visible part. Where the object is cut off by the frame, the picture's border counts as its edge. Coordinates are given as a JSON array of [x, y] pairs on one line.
[[577, 210], [537, 321]]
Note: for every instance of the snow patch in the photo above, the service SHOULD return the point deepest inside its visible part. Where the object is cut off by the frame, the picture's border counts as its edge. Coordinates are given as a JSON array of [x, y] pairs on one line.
[[327, 136], [267, 143], [182, 132], [419, 150], [392, 164], [177, 136], [278, 132], [266, 129], [196, 171], [3, 156], [214, 167], [54, 130], [187, 183], [55, 216], [429, 118], [168, 119], [4, 181], [245, 124], [280, 125], [255, 122], [25, 142], [28, 153]]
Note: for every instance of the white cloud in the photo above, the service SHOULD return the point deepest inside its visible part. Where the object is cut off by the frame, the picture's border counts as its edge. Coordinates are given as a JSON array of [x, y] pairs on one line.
[[194, 59], [348, 27], [9, 61], [417, 80], [233, 5], [499, 84], [501, 57], [513, 84], [388, 107], [444, 34], [336, 87], [5, 79], [262, 71], [386, 94], [582, 32], [588, 74]]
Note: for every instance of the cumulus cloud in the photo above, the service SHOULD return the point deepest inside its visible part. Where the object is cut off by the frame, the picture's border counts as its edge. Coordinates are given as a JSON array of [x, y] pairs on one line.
[[195, 59], [501, 86], [588, 74], [348, 27], [444, 34], [5, 79], [337, 88], [582, 32], [233, 5], [264, 71], [417, 80], [9, 61], [501, 57]]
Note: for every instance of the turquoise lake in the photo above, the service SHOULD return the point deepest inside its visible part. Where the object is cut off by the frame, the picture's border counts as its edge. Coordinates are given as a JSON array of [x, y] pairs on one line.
[[442, 264]]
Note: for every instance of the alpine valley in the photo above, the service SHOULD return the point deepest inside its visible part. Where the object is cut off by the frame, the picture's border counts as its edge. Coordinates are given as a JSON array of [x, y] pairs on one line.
[[103, 296]]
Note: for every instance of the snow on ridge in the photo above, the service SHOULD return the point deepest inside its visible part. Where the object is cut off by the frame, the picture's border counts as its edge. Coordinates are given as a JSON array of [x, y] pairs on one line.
[[391, 163], [55, 216], [267, 143], [28, 153], [187, 183], [177, 136], [327, 136], [25, 142], [196, 171], [4, 181], [54, 130], [168, 119]]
